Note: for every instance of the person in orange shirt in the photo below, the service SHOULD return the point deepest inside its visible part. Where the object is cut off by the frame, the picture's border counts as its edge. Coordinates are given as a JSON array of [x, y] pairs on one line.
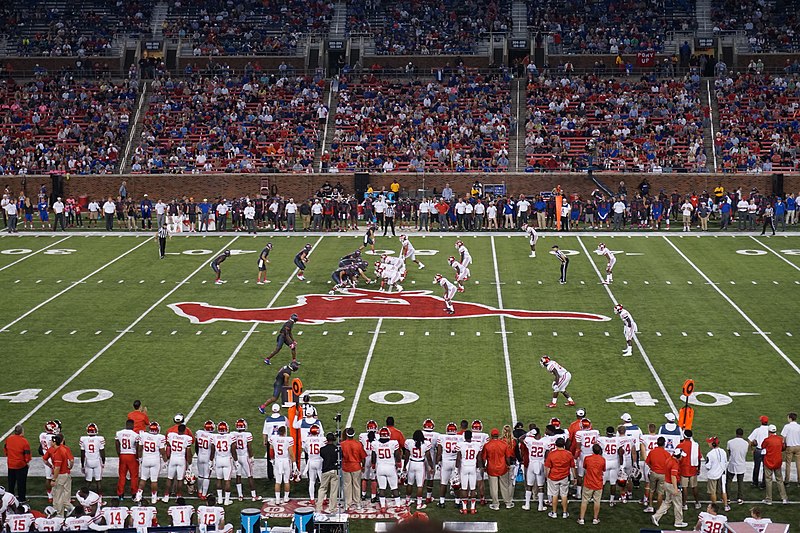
[[594, 467], [179, 419], [18, 453], [63, 461], [672, 493], [497, 455], [139, 417], [574, 427], [657, 463], [773, 447], [559, 465], [395, 433], [353, 460], [689, 468]]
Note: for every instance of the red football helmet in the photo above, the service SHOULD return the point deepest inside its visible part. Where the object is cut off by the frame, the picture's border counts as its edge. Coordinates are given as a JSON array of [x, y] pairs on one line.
[[618, 309], [154, 428], [586, 423], [459, 243], [555, 422], [313, 430], [91, 429], [452, 428], [209, 426], [428, 425], [372, 425], [384, 433], [51, 427], [544, 360], [222, 428], [451, 260], [241, 425], [477, 425]]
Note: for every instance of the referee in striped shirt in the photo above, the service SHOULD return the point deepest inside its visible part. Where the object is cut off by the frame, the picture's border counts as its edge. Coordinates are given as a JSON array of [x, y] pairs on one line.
[[161, 237], [564, 264]]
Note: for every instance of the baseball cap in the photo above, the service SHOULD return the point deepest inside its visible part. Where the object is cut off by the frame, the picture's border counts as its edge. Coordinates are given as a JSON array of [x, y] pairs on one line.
[[495, 432], [626, 417], [678, 453], [670, 417], [580, 412], [275, 407], [713, 440], [772, 428], [350, 432], [764, 419]]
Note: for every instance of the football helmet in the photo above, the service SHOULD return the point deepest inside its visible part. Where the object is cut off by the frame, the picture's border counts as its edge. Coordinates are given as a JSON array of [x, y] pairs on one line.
[[222, 428], [384, 257], [269, 246], [91, 429], [227, 253], [586, 423], [451, 260], [241, 425], [178, 418], [618, 309], [477, 425], [459, 243], [294, 317], [372, 425], [437, 278], [403, 237], [294, 365], [51, 427], [622, 482], [555, 421], [601, 247], [428, 425], [209, 426], [451, 428], [357, 253], [154, 428], [525, 227], [384, 433], [378, 265], [307, 246], [313, 430], [544, 360]]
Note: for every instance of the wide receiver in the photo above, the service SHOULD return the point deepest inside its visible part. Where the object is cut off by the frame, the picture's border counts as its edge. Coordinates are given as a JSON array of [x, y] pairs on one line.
[[629, 328], [561, 379], [611, 261]]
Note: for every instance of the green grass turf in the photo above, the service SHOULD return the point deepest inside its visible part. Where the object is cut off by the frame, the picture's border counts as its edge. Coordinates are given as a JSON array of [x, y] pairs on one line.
[[456, 366]]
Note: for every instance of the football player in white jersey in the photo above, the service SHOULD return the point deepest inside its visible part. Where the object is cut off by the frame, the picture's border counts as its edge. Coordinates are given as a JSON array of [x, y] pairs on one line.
[[432, 438], [561, 379], [468, 461], [628, 447], [312, 446], [77, 521], [204, 456], [711, 521], [629, 328], [448, 294], [530, 231], [21, 521], [461, 272], [93, 455], [416, 462], [611, 261], [143, 517], [179, 450], [612, 453], [390, 276], [447, 456], [181, 514], [481, 438], [408, 251], [464, 257], [585, 438], [282, 448], [385, 457], [152, 451], [45, 443], [90, 501], [533, 451], [115, 516], [647, 443], [369, 484], [50, 522], [224, 461], [244, 459], [211, 515]]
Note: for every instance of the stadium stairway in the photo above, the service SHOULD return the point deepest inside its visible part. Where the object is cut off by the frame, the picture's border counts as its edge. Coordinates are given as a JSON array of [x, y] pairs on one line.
[[708, 98], [705, 26], [135, 134], [519, 18], [160, 11], [516, 137], [331, 99]]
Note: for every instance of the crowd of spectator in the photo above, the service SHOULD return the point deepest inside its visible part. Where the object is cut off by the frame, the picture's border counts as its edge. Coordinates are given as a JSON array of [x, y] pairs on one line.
[[614, 124], [759, 123], [215, 124], [769, 26], [62, 124], [461, 123]]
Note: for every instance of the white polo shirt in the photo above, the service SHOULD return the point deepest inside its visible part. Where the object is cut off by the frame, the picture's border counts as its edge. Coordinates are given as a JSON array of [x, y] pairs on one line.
[[791, 433], [109, 208], [759, 434], [737, 455]]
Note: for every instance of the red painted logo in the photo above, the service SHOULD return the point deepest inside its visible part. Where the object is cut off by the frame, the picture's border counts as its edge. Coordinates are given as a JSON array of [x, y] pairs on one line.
[[362, 303]]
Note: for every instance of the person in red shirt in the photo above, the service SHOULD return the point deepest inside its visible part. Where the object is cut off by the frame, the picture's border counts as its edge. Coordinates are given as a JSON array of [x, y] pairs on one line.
[[689, 468], [139, 417], [672, 494], [63, 461], [18, 452], [594, 469], [657, 464], [773, 447], [395, 433], [559, 465], [353, 460], [497, 455], [575, 426]]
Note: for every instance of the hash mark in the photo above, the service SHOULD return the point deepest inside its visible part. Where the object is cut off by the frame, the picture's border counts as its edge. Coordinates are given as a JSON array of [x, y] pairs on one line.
[[477, 333], [736, 334], [141, 281], [427, 333], [555, 334], [163, 281], [530, 334], [98, 332], [325, 332], [624, 282], [540, 282], [710, 334], [174, 331], [733, 282], [18, 281], [668, 282], [48, 332], [23, 332], [148, 332], [224, 332], [775, 282], [274, 332], [121, 281], [755, 282], [299, 332], [689, 282], [647, 282], [59, 281], [401, 333], [658, 333], [582, 282], [349, 333], [452, 333], [73, 332], [607, 334], [38, 281], [99, 281], [684, 334], [580, 334], [518, 282], [788, 334], [199, 332]]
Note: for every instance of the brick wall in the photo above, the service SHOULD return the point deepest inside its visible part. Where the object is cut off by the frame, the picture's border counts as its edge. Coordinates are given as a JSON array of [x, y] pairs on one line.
[[304, 185]]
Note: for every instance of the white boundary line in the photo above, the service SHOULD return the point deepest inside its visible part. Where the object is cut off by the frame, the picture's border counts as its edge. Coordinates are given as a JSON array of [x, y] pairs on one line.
[[34, 253], [363, 378], [509, 380], [71, 286], [779, 256], [244, 340], [113, 341], [635, 337], [736, 307]]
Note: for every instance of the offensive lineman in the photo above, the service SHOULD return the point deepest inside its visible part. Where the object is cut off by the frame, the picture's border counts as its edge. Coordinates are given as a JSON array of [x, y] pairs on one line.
[[629, 328], [448, 294], [385, 455], [561, 379], [530, 231], [611, 261], [462, 272]]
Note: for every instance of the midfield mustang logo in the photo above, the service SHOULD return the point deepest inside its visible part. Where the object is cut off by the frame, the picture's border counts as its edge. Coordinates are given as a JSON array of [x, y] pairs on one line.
[[361, 303]]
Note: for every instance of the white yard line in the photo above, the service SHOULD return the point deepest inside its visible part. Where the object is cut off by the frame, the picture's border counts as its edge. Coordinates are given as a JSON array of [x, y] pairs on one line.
[[241, 344], [72, 286], [779, 256], [738, 309], [113, 341], [363, 378], [34, 253], [647, 361], [509, 380]]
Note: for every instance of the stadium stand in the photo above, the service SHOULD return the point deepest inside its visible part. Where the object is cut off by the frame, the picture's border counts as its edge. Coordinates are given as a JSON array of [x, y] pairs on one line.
[[770, 26]]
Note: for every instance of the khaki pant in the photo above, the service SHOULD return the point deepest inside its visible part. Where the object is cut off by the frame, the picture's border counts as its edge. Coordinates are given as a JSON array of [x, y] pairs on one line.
[[541, 218], [672, 496], [505, 489], [61, 493], [352, 488], [656, 484], [778, 475], [704, 223], [306, 222], [792, 455], [328, 489]]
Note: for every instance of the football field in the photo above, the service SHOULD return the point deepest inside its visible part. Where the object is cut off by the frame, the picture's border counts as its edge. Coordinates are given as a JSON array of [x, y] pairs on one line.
[[89, 323]]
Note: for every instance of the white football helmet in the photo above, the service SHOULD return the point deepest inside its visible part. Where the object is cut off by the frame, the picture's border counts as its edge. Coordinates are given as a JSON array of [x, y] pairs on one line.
[[544, 360], [618, 309]]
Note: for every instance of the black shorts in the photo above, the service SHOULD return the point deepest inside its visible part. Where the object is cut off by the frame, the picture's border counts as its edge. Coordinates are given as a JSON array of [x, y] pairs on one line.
[[262, 266], [299, 264], [277, 388], [215, 267], [280, 341], [368, 241]]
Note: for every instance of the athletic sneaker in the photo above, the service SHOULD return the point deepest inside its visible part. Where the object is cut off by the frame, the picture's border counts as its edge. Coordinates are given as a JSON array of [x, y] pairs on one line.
[[680, 524], [551, 405], [595, 521], [570, 403], [267, 362], [262, 409], [551, 514], [580, 521], [526, 507]]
